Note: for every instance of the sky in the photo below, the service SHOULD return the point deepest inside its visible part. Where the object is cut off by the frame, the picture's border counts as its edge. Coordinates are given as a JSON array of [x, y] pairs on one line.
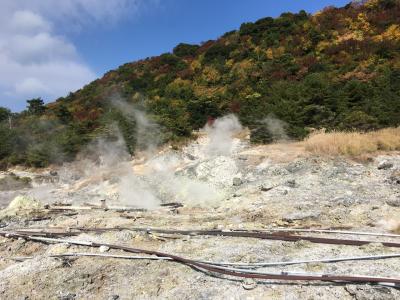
[[49, 48]]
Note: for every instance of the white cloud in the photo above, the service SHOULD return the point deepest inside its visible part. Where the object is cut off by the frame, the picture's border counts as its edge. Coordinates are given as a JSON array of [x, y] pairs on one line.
[[30, 85], [36, 58], [39, 48], [26, 21], [73, 14]]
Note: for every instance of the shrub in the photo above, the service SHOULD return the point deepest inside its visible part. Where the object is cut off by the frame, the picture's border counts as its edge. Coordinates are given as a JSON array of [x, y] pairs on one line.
[[183, 50]]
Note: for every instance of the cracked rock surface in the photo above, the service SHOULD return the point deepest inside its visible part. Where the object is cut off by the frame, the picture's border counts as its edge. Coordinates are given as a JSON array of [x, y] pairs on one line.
[[256, 187]]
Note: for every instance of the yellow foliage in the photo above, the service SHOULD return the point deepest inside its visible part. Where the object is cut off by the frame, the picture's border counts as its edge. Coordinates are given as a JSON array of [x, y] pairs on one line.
[[210, 74], [306, 43], [259, 51], [208, 92], [322, 46], [363, 24], [353, 143], [195, 65], [278, 52], [392, 33], [229, 63], [372, 3], [275, 52], [246, 93], [270, 53], [243, 68], [179, 82], [358, 28]]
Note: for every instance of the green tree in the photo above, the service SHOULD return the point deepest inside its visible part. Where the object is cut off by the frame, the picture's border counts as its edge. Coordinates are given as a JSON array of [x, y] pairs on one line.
[[63, 114], [6, 141], [36, 106], [4, 114], [183, 50]]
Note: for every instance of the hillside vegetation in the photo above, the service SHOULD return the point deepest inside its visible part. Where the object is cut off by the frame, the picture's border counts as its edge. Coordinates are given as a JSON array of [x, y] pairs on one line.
[[338, 69]]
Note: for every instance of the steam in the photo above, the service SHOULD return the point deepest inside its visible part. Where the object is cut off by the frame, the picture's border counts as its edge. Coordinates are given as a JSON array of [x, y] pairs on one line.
[[148, 133], [173, 185], [114, 167], [106, 171], [221, 134], [276, 127]]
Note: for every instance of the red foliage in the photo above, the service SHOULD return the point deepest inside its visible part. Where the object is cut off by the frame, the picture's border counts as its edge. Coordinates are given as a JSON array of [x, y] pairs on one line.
[[308, 61], [185, 74], [278, 74], [205, 46]]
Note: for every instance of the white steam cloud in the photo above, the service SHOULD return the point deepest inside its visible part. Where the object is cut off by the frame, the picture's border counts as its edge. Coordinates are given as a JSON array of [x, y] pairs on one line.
[[276, 127], [106, 171], [148, 134], [221, 134]]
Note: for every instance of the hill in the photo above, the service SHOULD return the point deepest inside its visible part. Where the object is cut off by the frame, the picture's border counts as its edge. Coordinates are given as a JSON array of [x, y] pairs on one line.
[[337, 69]]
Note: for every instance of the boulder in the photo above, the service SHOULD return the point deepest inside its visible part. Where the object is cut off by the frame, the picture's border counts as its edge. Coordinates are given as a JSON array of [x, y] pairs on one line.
[[395, 202], [21, 205], [385, 165], [395, 177], [266, 187], [237, 181]]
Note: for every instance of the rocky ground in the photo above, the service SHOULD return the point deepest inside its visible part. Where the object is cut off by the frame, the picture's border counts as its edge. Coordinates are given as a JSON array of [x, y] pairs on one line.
[[248, 187]]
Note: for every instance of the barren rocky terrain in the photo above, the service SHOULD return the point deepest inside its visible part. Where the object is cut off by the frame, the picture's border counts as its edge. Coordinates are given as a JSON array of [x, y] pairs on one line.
[[241, 187]]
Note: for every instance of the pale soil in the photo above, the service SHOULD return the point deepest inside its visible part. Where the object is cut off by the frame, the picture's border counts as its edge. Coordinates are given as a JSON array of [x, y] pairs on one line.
[[326, 193]]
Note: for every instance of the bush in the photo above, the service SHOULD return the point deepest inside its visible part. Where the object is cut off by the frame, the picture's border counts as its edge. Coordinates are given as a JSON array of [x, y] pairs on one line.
[[38, 156], [6, 141], [183, 50], [4, 114], [359, 120]]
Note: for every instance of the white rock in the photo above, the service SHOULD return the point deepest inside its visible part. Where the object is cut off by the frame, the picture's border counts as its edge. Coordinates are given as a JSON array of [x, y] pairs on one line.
[[103, 249]]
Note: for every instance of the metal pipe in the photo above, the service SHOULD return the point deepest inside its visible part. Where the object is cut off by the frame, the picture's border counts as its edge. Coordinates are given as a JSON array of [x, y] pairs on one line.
[[223, 270]]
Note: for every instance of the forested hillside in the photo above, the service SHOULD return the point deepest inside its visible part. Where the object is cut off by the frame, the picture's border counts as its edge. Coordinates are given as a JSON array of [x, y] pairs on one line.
[[337, 69]]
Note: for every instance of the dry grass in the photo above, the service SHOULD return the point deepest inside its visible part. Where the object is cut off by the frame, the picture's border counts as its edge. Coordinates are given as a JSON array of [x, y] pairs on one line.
[[353, 143]]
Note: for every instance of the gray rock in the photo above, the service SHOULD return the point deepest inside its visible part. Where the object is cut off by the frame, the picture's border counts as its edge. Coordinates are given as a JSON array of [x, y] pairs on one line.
[[266, 187], [367, 292], [249, 284], [385, 165], [291, 183], [301, 216], [53, 173], [237, 181], [295, 167], [277, 171], [190, 156], [68, 296], [395, 202], [395, 177], [345, 201]]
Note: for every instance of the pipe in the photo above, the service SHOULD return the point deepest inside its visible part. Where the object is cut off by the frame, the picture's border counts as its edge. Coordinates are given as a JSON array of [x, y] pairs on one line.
[[395, 282]]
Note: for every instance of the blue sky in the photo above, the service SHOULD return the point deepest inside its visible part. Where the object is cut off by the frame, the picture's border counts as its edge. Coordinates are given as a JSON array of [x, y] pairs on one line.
[[51, 47]]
